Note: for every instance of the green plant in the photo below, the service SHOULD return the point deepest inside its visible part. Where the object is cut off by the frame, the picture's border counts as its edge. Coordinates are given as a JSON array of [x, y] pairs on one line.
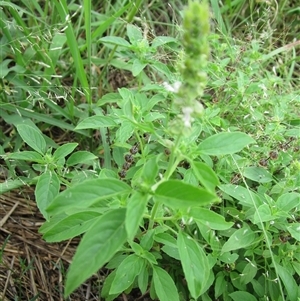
[[184, 205]]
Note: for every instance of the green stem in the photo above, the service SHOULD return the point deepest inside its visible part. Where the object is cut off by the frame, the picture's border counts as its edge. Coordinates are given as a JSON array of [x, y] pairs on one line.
[[172, 165], [135, 8], [174, 159], [153, 214]]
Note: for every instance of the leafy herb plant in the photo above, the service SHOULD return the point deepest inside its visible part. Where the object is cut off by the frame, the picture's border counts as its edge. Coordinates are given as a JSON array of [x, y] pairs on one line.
[[178, 206]]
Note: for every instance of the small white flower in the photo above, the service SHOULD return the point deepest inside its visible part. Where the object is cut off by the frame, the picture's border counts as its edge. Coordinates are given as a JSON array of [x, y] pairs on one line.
[[265, 90], [172, 88], [187, 118]]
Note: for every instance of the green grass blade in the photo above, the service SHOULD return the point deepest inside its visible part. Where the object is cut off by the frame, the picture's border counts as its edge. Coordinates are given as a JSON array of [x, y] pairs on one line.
[[62, 9]]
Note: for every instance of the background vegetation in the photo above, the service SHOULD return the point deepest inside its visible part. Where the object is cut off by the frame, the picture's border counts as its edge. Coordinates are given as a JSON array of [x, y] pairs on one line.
[[91, 107]]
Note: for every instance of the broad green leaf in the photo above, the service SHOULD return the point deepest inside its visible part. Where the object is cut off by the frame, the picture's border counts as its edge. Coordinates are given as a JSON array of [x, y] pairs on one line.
[[97, 247], [164, 285], [288, 201], [64, 150], [210, 218], [70, 226], [242, 296], [115, 41], [86, 194], [263, 214], [137, 67], [205, 175], [294, 230], [33, 137], [27, 156], [257, 174], [289, 283], [96, 122], [194, 263], [177, 194], [46, 190], [244, 196], [81, 157], [241, 238], [126, 273], [135, 209], [224, 143]]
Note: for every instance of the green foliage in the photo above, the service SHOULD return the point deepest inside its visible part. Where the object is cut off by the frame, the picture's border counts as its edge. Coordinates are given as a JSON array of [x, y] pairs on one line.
[[181, 199]]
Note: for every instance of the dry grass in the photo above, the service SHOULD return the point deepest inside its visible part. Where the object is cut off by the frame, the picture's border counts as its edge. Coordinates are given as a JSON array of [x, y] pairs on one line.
[[31, 269]]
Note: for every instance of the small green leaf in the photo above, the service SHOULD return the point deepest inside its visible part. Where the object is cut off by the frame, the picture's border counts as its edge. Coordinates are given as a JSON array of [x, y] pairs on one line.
[[143, 279], [135, 209], [248, 273], [241, 238], [245, 196], [224, 143], [263, 214], [124, 132], [86, 194], [33, 137], [194, 263], [106, 287], [137, 67], [96, 122], [46, 190], [257, 174], [4, 70], [166, 239], [64, 150], [162, 40], [134, 34], [220, 285], [205, 175], [239, 295], [97, 247], [81, 157], [170, 244], [177, 194], [70, 226], [294, 230], [150, 171], [164, 285], [115, 41], [288, 201], [210, 219], [9, 185], [126, 273], [27, 156]]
